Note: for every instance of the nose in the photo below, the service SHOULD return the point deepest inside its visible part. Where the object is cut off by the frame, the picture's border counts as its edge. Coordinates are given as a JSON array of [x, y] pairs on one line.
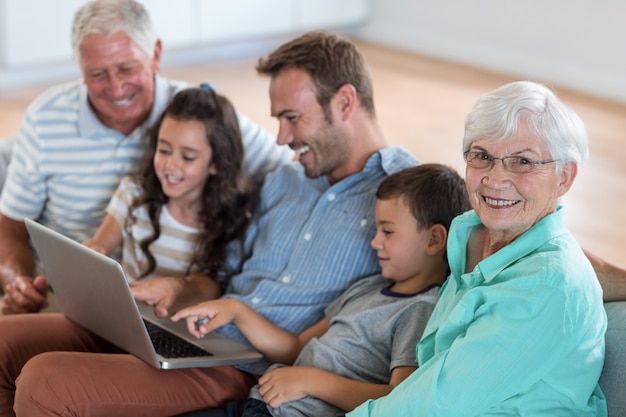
[[375, 243], [493, 163], [496, 172], [169, 162], [116, 84], [285, 135]]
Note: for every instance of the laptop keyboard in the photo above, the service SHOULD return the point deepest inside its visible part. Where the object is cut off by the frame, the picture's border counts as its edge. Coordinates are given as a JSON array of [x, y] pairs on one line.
[[170, 346]]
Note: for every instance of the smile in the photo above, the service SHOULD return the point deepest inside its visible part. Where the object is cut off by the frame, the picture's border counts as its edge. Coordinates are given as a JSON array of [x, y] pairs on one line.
[[173, 180], [123, 101], [500, 203], [302, 150]]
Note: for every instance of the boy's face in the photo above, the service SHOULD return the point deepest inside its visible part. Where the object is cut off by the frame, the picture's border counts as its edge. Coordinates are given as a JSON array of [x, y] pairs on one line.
[[400, 245]]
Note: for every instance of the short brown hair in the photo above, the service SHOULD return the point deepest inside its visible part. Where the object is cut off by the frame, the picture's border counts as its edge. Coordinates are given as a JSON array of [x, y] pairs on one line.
[[330, 61], [434, 193]]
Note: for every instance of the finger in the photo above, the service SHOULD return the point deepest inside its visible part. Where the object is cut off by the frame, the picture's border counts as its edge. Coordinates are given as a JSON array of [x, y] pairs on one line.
[[192, 327], [160, 312], [40, 283], [11, 306], [185, 312], [27, 296]]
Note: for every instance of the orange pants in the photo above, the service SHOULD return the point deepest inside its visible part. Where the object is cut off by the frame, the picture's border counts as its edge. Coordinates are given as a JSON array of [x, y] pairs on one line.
[[52, 367]]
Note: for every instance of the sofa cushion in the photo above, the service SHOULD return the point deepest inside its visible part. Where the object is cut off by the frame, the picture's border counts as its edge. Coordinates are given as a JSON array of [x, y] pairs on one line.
[[613, 378]]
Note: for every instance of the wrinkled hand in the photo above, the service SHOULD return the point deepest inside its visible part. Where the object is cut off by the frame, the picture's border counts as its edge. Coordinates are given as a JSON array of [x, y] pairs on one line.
[[282, 385], [158, 292], [218, 312], [25, 295]]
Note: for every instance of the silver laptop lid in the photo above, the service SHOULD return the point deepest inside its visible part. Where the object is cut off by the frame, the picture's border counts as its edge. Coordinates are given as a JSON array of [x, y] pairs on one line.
[[93, 292]]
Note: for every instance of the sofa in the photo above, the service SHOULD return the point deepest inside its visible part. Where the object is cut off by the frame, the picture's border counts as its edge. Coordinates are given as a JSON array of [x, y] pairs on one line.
[[613, 378]]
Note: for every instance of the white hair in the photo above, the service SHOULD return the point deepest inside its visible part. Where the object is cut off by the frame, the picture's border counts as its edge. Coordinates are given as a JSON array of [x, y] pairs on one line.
[[499, 113], [107, 17]]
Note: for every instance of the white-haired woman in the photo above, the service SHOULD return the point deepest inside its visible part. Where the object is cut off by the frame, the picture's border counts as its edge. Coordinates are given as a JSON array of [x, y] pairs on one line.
[[519, 329]]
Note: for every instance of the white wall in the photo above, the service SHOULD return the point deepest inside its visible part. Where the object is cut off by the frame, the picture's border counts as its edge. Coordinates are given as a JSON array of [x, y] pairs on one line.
[[35, 34], [578, 44]]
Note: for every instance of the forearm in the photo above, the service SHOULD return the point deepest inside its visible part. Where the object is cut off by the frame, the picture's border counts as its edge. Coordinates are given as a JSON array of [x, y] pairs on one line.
[[275, 343], [341, 392], [612, 278], [16, 256]]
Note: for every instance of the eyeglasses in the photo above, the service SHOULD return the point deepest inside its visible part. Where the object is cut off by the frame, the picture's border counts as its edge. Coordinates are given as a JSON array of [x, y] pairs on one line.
[[516, 164]]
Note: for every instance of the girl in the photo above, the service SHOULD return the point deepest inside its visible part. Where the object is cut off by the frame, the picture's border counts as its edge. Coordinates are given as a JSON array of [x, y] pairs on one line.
[[189, 202]]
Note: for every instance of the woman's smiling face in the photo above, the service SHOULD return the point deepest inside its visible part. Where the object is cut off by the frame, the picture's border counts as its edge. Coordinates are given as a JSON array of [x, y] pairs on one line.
[[509, 203]]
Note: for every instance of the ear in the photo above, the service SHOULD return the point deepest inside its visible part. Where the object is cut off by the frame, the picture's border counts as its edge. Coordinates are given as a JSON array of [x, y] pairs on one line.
[[156, 59], [345, 100], [567, 176], [438, 239], [212, 169]]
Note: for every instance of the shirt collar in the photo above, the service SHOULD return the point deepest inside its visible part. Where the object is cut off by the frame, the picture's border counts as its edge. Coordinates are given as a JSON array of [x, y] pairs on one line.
[[386, 160], [546, 229]]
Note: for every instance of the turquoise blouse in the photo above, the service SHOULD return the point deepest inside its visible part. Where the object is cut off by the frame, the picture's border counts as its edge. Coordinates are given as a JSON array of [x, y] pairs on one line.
[[520, 335]]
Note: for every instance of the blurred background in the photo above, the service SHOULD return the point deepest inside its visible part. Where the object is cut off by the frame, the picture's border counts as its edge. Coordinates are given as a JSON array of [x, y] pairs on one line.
[[430, 61]]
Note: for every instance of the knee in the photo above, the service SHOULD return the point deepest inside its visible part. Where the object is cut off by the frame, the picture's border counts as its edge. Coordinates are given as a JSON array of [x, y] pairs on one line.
[[40, 385]]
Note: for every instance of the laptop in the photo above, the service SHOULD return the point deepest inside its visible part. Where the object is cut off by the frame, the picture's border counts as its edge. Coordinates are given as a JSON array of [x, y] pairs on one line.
[[93, 292]]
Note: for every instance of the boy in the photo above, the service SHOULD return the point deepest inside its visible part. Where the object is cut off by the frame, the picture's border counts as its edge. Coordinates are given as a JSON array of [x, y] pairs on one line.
[[366, 343]]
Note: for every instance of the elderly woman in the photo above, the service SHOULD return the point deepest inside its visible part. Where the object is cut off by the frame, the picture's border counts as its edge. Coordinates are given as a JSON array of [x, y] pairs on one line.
[[519, 329]]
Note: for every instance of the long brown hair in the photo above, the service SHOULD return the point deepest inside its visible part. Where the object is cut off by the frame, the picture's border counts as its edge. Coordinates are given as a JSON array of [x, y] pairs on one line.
[[228, 197]]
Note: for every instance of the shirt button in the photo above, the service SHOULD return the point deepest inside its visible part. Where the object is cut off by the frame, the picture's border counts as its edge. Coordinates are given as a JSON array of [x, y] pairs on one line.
[[287, 279], [307, 236], [331, 197], [363, 222], [256, 300]]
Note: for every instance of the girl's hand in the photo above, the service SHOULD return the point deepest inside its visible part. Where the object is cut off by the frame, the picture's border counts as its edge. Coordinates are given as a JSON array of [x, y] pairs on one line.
[[158, 292], [95, 245]]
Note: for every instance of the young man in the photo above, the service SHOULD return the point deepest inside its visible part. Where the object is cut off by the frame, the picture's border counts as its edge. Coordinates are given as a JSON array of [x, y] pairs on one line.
[[79, 139], [365, 344], [298, 261]]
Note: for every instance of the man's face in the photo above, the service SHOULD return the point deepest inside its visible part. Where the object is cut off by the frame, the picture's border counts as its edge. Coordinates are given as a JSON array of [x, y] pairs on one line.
[[120, 79], [320, 145]]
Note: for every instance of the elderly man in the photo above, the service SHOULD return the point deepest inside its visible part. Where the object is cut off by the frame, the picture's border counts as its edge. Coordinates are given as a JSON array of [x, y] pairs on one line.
[[78, 139]]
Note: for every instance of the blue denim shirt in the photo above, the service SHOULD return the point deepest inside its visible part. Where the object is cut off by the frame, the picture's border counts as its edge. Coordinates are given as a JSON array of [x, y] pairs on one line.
[[308, 242]]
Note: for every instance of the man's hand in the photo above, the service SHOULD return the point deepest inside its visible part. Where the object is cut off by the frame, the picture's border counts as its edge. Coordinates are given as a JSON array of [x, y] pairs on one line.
[[25, 295]]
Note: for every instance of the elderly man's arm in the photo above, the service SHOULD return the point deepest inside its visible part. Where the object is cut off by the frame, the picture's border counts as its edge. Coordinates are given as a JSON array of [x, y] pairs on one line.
[[22, 293], [611, 277]]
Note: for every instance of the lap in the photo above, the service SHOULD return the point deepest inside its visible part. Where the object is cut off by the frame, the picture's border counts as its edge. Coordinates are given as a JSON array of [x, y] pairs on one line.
[[100, 384], [62, 368]]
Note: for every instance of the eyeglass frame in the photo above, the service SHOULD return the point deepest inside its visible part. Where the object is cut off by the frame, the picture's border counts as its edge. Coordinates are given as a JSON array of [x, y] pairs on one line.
[[492, 161]]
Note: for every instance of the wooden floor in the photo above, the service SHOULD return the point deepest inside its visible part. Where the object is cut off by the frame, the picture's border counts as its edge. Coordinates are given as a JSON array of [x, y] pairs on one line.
[[421, 105]]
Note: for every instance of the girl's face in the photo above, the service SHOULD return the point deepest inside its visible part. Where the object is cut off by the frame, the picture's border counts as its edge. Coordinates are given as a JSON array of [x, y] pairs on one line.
[[183, 160]]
